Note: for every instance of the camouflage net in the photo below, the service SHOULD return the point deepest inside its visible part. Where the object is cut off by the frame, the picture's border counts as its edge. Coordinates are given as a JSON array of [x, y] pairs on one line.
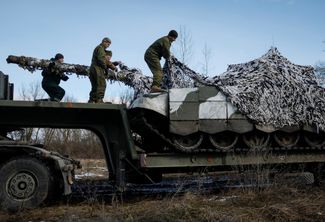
[[178, 75], [269, 90], [134, 78], [32, 64], [273, 91], [130, 77], [173, 73]]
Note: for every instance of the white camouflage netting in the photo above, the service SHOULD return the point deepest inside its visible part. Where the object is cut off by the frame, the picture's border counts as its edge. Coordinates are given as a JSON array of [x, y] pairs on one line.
[[176, 75], [135, 79], [269, 90]]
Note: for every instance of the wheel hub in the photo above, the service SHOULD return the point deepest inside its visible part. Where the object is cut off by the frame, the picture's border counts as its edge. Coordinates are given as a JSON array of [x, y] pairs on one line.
[[256, 140], [315, 139], [285, 139], [22, 186], [189, 142], [224, 140]]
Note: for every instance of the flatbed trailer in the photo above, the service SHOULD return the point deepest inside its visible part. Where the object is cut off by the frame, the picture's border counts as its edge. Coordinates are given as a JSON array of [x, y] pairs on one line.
[[125, 161], [107, 121]]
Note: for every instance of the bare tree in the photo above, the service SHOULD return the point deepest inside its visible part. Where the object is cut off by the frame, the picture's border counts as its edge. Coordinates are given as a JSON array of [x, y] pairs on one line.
[[49, 135], [29, 94], [75, 142], [68, 98], [126, 96], [32, 92], [320, 71], [206, 51], [185, 44]]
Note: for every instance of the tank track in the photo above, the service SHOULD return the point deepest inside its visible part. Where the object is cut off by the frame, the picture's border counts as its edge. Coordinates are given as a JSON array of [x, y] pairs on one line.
[[241, 149]]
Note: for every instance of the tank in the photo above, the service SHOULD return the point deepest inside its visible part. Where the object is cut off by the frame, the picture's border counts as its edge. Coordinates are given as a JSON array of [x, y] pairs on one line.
[[202, 119], [267, 103]]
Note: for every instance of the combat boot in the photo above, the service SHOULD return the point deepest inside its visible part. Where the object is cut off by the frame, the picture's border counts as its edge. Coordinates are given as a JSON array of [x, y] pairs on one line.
[[55, 99], [156, 89]]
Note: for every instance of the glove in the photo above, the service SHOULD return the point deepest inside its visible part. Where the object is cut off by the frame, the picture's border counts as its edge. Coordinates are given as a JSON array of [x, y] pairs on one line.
[[64, 78], [51, 65]]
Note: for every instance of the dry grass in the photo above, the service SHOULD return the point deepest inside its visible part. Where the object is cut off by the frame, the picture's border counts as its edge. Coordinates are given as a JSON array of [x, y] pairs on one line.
[[276, 203], [270, 204]]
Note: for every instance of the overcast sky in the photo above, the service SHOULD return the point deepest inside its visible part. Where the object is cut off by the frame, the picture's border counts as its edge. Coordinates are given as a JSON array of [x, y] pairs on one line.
[[235, 31]]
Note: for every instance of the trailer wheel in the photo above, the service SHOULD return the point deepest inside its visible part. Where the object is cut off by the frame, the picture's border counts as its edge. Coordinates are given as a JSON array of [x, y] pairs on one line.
[[24, 183]]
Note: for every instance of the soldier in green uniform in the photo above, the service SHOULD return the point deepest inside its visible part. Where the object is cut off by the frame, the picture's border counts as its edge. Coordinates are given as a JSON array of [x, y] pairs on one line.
[[160, 48], [52, 78], [97, 72], [110, 65]]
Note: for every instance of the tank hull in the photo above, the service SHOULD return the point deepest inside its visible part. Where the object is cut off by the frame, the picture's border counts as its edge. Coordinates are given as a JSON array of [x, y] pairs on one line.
[[203, 119]]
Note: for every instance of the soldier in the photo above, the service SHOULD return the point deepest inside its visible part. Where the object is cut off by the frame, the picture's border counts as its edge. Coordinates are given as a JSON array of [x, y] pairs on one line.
[[111, 65], [97, 72], [52, 78], [160, 48]]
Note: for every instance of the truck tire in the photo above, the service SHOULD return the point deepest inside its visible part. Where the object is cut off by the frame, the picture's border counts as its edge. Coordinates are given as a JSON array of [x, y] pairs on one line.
[[24, 183]]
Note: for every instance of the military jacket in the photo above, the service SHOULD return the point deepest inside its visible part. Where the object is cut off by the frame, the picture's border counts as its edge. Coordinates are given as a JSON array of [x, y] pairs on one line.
[[160, 48], [110, 65], [99, 57], [52, 75]]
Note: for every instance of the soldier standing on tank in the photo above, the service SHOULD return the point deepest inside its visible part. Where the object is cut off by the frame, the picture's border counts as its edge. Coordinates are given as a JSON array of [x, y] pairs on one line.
[[97, 72], [52, 78], [160, 48]]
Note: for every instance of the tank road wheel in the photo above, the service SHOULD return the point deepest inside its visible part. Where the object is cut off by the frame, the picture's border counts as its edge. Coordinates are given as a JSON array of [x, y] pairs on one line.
[[189, 142], [24, 183], [285, 139], [315, 139], [224, 141], [256, 139]]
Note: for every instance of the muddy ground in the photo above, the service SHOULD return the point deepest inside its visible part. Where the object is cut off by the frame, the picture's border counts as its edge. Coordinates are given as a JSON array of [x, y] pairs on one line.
[[279, 202]]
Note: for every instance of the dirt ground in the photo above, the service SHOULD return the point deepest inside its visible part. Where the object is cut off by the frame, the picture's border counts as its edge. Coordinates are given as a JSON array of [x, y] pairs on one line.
[[275, 203]]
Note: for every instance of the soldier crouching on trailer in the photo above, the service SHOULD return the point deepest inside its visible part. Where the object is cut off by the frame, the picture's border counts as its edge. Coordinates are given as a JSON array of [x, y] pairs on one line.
[[52, 78]]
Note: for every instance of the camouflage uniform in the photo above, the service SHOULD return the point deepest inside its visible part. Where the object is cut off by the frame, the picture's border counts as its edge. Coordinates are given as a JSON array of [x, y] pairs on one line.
[[160, 48], [111, 67], [51, 81], [97, 75]]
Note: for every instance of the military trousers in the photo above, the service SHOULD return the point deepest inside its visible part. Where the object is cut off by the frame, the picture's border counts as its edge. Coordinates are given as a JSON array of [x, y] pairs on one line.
[[98, 84], [155, 68], [55, 92]]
